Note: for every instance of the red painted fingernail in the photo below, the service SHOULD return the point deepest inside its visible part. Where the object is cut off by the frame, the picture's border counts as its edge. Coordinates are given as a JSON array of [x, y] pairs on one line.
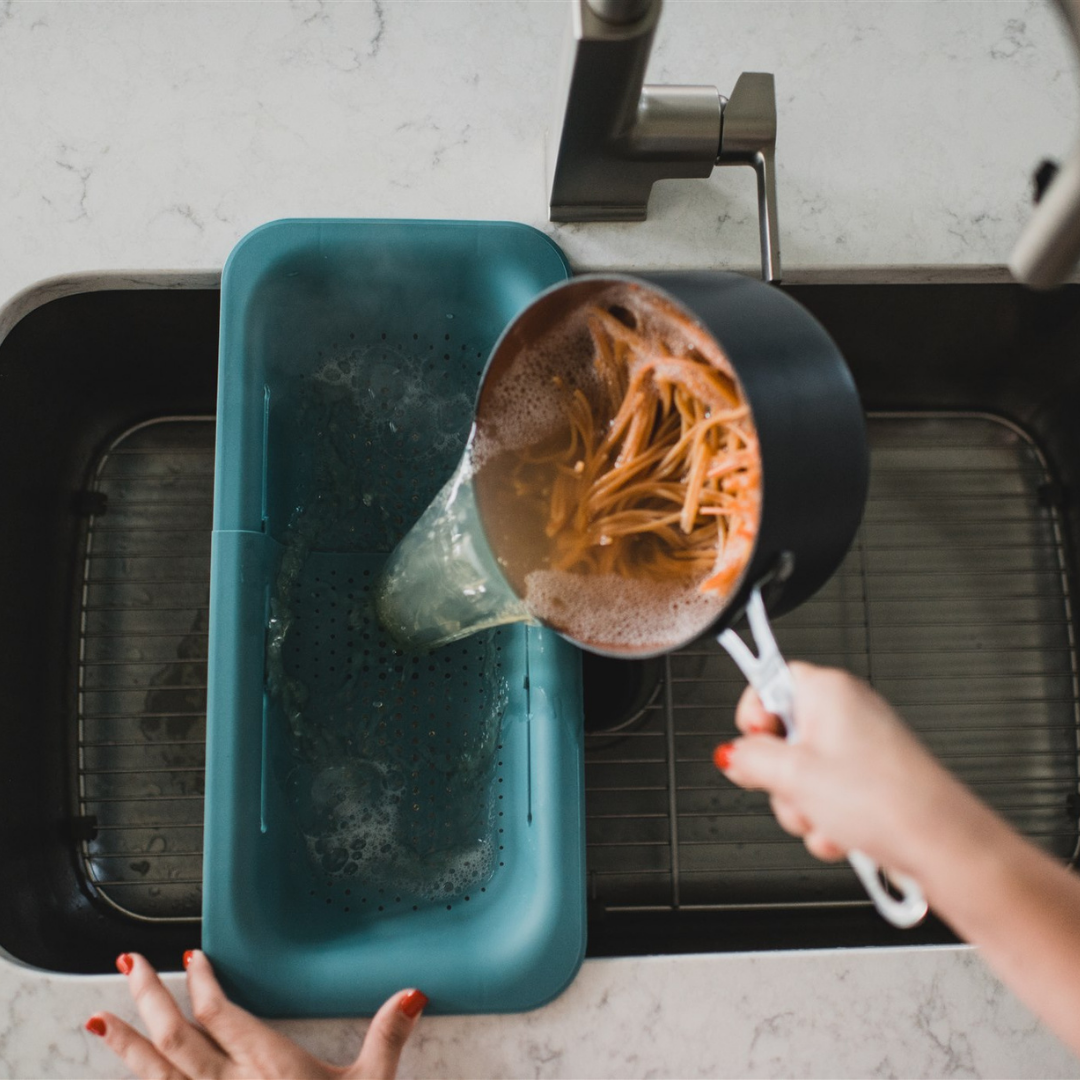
[[189, 955], [412, 1004], [96, 1026], [124, 964], [722, 756]]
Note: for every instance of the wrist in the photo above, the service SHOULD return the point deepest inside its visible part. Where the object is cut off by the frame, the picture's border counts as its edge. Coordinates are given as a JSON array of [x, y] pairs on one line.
[[963, 848], [943, 821]]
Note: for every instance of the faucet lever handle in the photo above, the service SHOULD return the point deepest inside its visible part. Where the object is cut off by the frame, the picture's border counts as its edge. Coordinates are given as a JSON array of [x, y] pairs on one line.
[[748, 137]]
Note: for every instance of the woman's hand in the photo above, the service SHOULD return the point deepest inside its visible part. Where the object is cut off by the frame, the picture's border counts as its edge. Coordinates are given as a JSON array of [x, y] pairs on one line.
[[229, 1042], [856, 777]]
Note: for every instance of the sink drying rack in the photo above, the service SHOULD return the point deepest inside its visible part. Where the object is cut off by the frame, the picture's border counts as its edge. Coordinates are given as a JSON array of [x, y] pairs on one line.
[[953, 602]]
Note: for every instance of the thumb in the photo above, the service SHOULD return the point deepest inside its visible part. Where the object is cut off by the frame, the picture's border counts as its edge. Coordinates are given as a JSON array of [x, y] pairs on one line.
[[757, 762], [386, 1036]]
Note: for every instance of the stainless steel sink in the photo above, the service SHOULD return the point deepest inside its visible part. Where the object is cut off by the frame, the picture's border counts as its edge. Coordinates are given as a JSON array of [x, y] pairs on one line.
[[956, 601]]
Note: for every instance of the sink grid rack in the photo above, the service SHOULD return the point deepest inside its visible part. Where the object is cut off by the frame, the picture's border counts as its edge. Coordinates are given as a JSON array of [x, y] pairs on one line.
[[144, 631], [953, 602]]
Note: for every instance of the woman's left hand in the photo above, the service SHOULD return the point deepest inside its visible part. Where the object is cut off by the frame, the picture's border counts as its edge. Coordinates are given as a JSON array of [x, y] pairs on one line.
[[228, 1042]]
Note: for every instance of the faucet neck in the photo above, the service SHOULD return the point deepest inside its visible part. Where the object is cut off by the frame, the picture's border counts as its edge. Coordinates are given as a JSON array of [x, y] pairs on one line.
[[620, 12]]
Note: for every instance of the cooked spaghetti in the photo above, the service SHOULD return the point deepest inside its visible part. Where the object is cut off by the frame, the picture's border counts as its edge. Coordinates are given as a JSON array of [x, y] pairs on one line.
[[617, 472], [657, 473]]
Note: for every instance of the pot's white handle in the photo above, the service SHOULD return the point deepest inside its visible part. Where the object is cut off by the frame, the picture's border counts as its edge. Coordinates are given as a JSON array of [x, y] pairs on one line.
[[769, 675], [906, 910]]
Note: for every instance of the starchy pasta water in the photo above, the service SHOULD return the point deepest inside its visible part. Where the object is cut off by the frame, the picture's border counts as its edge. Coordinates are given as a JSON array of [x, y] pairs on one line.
[[622, 496]]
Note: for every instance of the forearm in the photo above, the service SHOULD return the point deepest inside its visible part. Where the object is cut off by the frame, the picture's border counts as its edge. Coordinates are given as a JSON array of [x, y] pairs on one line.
[[1016, 903]]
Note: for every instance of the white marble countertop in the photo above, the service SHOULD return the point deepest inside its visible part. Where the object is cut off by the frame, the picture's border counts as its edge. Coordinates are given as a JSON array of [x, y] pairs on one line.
[[146, 137]]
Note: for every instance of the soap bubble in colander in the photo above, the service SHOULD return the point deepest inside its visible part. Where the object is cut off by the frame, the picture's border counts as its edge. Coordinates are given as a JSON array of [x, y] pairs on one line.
[[354, 822], [338, 799], [390, 392], [350, 817]]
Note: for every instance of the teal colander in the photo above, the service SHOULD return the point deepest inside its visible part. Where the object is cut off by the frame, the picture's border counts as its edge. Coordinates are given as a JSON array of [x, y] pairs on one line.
[[375, 818]]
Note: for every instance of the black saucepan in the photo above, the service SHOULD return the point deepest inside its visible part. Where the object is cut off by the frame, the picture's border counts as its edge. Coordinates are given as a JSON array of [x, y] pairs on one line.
[[809, 421]]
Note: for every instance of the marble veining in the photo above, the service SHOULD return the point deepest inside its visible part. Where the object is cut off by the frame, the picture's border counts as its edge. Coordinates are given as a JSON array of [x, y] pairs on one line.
[[885, 1013], [138, 137]]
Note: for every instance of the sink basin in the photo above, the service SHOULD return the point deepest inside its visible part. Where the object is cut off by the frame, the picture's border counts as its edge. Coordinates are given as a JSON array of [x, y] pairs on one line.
[[75, 373], [956, 601]]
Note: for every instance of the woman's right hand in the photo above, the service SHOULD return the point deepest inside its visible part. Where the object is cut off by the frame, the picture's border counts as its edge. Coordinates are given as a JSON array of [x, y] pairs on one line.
[[856, 777]]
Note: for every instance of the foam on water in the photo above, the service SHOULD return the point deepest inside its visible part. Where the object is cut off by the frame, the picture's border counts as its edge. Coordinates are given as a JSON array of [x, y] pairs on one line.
[[354, 822], [614, 612], [524, 407]]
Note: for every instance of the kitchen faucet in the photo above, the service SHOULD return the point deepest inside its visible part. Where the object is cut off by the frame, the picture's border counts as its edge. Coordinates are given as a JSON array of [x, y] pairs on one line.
[[616, 136]]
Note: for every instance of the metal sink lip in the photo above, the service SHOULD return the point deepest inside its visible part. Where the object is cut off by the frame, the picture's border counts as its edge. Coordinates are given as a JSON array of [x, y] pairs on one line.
[[41, 292]]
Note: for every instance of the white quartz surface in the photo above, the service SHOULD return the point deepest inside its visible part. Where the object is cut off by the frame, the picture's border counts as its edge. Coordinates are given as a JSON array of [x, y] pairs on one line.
[[141, 137], [888, 1013]]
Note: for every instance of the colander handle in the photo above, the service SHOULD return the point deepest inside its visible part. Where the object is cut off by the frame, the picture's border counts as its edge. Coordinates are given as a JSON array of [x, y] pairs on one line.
[[768, 673]]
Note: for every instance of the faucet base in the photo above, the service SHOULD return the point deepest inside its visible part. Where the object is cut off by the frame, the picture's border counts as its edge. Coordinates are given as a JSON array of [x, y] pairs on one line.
[[598, 212]]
